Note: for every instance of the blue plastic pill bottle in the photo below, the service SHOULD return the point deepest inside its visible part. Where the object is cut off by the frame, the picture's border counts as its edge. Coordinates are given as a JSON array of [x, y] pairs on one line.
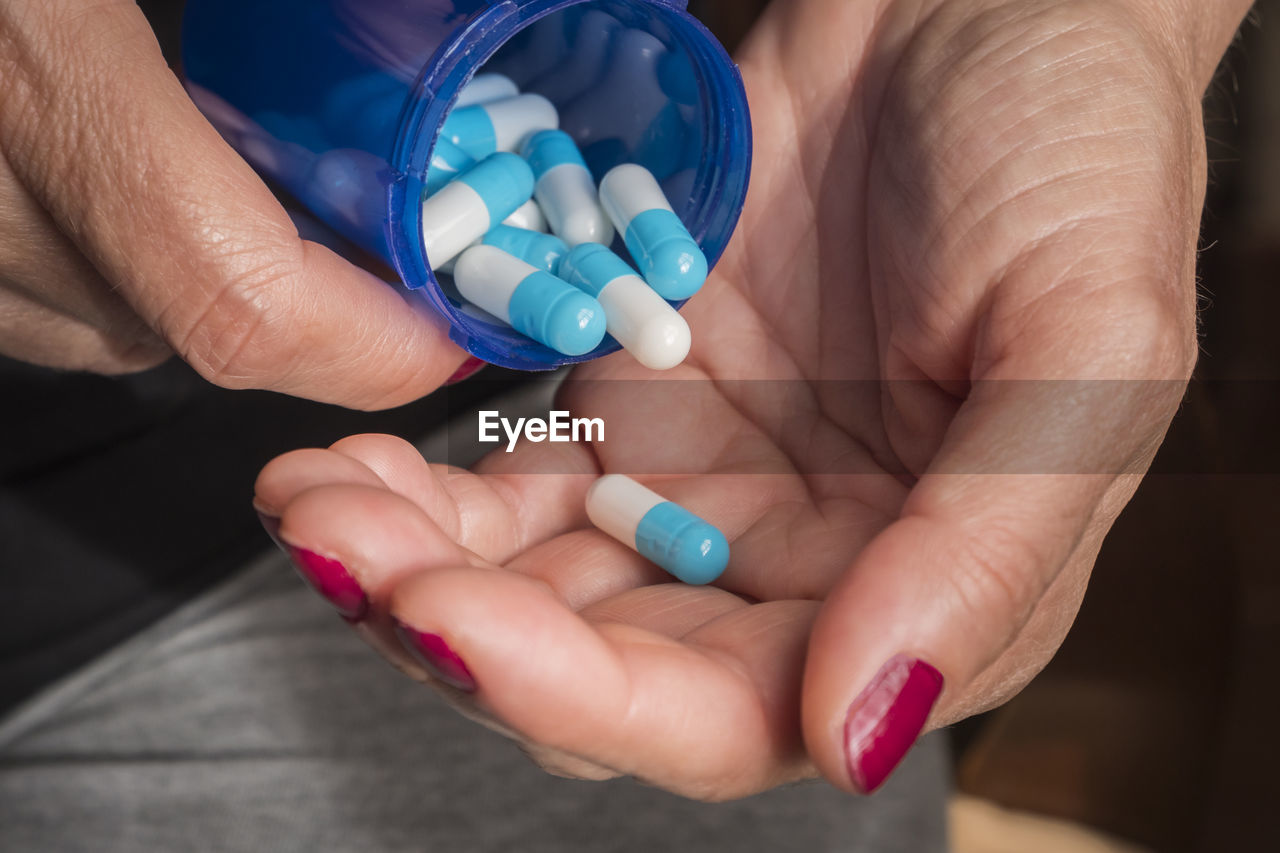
[[340, 102]]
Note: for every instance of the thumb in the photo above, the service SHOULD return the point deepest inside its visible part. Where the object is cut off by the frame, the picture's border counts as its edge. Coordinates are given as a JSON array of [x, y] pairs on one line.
[[105, 137], [915, 634]]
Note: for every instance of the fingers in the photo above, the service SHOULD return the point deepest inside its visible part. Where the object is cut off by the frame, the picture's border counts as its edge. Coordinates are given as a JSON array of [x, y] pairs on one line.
[[195, 243], [788, 539], [512, 501], [494, 516], [35, 333], [353, 543], [639, 657], [911, 629], [287, 476], [708, 718], [55, 309]]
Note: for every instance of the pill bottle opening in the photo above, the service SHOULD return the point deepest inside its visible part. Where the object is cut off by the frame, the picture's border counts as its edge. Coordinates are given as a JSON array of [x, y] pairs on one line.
[[633, 82]]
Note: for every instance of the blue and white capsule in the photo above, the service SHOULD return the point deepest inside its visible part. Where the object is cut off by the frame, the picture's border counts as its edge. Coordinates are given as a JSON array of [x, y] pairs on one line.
[[448, 163], [528, 216], [666, 533], [486, 88], [565, 190], [638, 318], [543, 251], [532, 301], [667, 255], [483, 129], [465, 210]]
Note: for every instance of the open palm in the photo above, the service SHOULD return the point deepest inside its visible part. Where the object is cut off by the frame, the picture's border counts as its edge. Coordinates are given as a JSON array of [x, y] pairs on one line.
[[948, 336]]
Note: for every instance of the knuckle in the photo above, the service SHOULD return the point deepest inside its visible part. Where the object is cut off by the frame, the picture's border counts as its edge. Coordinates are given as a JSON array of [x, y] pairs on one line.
[[244, 336], [995, 580], [1149, 333]]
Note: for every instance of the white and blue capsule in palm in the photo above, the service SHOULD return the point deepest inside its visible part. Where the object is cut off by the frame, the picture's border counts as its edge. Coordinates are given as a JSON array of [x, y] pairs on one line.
[[668, 257], [668, 534], [565, 190], [531, 300], [484, 129], [638, 318], [466, 209]]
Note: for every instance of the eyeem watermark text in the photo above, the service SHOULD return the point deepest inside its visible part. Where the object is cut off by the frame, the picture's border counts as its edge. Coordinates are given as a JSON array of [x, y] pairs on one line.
[[560, 428]]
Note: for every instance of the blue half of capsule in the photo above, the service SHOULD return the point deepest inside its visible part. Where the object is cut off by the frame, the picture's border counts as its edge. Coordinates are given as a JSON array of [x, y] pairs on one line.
[[670, 259], [543, 251], [471, 129], [448, 162], [503, 181], [683, 544], [591, 267], [548, 149], [557, 314]]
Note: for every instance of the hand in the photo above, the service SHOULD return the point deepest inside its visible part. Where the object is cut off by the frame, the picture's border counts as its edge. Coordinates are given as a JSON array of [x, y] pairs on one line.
[[954, 325], [129, 230]]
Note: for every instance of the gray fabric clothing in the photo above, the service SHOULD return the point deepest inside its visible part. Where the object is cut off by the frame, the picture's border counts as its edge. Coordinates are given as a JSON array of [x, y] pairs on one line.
[[254, 720]]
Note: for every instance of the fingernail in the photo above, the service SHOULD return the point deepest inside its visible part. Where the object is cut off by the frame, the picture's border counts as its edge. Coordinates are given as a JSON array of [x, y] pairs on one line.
[[334, 583], [271, 524], [436, 657], [469, 368], [886, 718]]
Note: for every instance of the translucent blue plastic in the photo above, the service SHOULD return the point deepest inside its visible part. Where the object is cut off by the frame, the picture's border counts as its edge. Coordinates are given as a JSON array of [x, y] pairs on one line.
[[341, 101]]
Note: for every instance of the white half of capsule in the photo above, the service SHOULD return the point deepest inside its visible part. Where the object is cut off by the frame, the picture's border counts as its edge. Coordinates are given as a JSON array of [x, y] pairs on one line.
[[448, 266], [528, 216], [616, 504], [452, 220], [567, 195], [484, 88], [516, 119], [488, 277], [644, 323], [628, 191]]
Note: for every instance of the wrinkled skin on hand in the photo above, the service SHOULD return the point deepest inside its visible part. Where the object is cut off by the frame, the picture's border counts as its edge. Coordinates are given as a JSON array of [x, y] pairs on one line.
[[967, 261], [129, 231]]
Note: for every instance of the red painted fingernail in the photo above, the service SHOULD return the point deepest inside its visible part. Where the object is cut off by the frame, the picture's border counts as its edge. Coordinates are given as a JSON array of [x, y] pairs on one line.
[[332, 580], [436, 657], [469, 368], [886, 718]]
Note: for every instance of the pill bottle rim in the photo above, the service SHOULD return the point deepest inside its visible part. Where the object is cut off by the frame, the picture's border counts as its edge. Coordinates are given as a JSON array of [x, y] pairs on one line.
[[720, 184]]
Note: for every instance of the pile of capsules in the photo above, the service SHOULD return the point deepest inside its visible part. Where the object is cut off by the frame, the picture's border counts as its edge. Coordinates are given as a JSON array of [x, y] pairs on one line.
[[485, 210]]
